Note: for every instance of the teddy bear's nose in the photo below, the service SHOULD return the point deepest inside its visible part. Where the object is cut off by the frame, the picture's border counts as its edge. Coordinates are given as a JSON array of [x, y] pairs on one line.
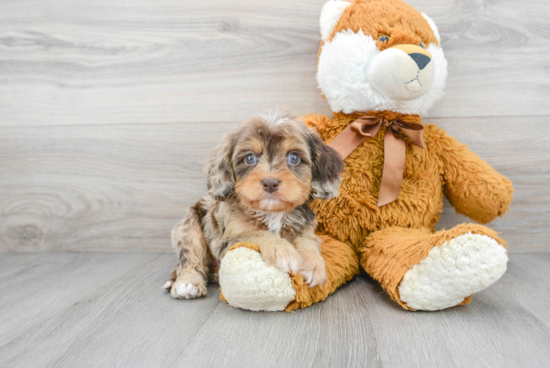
[[420, 59]]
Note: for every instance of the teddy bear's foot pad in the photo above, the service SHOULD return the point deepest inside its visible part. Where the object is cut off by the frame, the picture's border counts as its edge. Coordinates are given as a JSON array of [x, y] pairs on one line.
[[248, 282], [453, 271]]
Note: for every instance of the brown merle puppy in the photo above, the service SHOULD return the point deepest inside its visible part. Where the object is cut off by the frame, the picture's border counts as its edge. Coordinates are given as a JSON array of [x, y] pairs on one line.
[[260, 180]]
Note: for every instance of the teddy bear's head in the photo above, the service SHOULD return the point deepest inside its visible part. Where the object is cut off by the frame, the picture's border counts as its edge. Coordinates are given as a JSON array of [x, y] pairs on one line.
[[379, 55]]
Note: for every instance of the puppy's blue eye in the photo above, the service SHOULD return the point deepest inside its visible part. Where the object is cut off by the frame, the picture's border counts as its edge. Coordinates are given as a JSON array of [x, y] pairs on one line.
[[293, 159], [250, 159], [421, 44], [383, 38]]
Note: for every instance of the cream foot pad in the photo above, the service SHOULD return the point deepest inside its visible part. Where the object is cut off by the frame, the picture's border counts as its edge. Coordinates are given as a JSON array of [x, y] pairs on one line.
[[457, 269], [250, 283]]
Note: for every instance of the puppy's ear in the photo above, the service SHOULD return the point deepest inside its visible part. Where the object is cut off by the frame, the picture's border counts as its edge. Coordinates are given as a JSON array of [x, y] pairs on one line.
[[220, 177], [327, 169]]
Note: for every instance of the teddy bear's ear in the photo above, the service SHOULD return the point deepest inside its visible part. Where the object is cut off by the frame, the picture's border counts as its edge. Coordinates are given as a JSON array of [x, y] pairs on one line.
[[330, 14], [433, 26]]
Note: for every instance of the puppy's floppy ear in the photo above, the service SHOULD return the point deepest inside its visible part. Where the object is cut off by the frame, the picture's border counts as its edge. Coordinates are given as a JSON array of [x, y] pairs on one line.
[[327, 169], [220, 177]]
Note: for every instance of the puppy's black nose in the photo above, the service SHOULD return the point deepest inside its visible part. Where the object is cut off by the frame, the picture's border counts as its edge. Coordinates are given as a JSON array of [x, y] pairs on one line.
[[420, 59], [270, 184]]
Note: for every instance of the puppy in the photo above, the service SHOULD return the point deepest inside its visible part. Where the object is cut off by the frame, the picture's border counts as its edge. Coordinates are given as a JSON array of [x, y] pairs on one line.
[[260, 180]]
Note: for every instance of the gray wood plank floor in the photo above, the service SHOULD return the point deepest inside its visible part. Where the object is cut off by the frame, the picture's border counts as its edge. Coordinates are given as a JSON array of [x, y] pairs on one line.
[[108, 310]]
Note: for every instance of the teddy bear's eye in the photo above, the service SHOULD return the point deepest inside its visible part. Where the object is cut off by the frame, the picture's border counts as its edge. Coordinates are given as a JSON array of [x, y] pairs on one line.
[[421, 44], [383, 38]]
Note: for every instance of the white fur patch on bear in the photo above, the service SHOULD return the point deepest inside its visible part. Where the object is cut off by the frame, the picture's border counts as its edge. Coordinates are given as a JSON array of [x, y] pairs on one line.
[[457, 269], [343, 77], [433, 26], [330, 15], [248, 282]]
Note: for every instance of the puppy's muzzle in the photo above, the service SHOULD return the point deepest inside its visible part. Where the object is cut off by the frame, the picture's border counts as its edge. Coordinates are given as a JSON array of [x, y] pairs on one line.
[[402, 72], [270, 184]]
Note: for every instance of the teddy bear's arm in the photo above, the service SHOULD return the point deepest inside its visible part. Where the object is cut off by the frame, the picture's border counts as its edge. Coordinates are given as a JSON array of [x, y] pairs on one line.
[[472, 186], [317, 122]]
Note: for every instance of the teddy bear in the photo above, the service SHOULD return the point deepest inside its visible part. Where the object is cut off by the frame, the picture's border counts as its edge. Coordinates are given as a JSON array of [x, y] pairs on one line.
[[380, 69]]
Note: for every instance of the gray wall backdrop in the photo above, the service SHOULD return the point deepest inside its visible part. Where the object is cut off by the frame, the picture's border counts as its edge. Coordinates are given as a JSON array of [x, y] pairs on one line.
[[108, 108]]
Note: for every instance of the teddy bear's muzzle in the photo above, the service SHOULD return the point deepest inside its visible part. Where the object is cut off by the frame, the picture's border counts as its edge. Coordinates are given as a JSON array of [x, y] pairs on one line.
[[402, 72]]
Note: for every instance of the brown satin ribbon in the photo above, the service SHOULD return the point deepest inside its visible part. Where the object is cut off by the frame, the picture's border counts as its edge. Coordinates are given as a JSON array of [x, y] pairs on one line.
[[394, 148]]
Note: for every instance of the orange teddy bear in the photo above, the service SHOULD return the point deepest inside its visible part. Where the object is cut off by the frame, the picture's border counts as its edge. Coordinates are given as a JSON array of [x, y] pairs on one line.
[[381, 67]]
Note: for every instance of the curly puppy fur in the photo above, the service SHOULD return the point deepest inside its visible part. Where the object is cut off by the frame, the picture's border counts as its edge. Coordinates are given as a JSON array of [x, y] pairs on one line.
[[260, 180]]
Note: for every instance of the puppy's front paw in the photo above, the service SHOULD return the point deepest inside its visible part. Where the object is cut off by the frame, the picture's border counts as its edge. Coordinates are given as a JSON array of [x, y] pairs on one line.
[[313, 269], [185, 289], [283, 256]]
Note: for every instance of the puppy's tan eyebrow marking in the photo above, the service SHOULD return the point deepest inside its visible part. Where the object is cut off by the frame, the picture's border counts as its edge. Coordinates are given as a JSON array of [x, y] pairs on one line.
[[300, 147], [249, 145]]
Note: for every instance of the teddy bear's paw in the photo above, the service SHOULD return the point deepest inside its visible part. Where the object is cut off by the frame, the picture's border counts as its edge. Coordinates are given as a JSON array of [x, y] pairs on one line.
[[457, 269], [248, 282]]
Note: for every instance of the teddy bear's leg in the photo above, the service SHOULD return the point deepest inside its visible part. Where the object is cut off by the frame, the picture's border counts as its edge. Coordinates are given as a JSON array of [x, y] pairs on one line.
[[248, 282], [422, 270]]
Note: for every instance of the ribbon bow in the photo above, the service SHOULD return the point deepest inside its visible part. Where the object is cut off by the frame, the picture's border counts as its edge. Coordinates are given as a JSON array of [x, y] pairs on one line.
[[394, 148]]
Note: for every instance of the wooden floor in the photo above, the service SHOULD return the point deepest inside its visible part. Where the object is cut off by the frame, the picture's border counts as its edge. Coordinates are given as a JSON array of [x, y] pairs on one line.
[[108, 310]]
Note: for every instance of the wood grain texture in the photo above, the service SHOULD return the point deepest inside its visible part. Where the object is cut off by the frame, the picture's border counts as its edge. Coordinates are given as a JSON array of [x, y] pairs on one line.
[[36, 287], [122, 187], [120, 317], [113, 62], [107, 110]]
